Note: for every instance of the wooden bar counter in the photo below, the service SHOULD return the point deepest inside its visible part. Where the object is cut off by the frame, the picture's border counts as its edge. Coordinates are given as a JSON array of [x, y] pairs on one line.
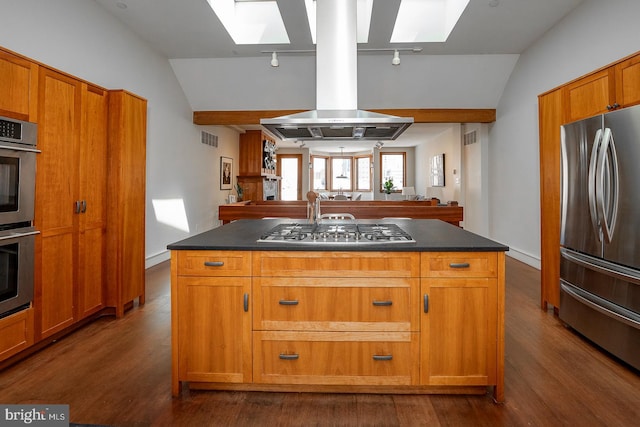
[[361, 209]]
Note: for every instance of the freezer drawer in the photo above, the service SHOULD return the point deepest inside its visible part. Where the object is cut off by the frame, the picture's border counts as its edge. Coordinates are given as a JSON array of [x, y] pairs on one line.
[[613, 328], [617, 284]]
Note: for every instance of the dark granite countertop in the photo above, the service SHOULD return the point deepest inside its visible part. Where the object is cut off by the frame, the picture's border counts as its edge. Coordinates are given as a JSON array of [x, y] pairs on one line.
[[431, 235]]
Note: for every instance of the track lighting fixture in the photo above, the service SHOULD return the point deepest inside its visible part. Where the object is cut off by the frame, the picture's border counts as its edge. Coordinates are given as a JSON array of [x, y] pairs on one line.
[[396, 58]]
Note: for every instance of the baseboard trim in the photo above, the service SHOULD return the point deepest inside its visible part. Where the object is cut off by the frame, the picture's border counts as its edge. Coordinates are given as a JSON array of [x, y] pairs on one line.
[[156, 259], [524, 257]]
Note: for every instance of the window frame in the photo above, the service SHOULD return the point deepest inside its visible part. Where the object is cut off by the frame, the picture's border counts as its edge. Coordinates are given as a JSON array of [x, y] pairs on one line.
[[326, 172], [331, 187], [404, 169], [298, 157], [369, 172]]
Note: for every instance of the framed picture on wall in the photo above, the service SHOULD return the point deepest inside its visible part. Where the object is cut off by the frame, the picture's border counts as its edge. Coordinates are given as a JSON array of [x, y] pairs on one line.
[[437, 170], [226, 172]]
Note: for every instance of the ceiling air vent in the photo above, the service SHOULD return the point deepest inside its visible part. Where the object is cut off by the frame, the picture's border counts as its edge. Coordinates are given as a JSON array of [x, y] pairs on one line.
[[209, 139], [470, 138]]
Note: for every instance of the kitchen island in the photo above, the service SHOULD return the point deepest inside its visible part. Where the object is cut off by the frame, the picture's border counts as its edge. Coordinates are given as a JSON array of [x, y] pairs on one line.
[[425, 316]]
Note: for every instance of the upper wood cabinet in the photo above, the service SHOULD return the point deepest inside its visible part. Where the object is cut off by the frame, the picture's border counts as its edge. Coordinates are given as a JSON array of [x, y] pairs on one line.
[[591, 95], [628, 82], [18, 87], [257, 154], [613, 87], [126, 199]]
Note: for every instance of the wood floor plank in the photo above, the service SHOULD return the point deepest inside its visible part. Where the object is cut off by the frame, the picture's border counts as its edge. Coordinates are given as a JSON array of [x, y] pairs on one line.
[[117, 372]]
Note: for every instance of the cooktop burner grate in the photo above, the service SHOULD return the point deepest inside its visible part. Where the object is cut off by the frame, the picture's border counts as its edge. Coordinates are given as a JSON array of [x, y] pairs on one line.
[[336, 233]]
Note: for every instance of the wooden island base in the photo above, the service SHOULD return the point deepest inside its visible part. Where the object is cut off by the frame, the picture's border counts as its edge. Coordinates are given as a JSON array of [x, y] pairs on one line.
[[339, 321]]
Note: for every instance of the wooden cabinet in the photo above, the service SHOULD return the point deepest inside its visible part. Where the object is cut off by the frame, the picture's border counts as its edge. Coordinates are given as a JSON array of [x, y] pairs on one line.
[[92, 201], [18, 87], [70, 201], [590, 95], [16, 333], [627, 75], [57, 194], [257, 162], [126, 199], [350, 321], [615, 86], [211, 319], [459, 290], [335, 318]]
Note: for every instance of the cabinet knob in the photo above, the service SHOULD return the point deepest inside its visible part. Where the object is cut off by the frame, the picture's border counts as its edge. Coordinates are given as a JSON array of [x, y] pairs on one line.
[[609, 107]]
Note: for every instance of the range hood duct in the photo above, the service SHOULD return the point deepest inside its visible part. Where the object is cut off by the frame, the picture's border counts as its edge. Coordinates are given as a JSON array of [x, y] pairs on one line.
[[337, 116]]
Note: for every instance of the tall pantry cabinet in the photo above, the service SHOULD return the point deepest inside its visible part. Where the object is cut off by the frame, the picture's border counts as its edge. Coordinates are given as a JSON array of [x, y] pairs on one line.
[[126, 199]]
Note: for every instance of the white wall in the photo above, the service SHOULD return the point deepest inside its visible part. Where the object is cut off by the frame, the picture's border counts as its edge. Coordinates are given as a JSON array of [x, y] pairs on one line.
[[80, 38], [594, 35]]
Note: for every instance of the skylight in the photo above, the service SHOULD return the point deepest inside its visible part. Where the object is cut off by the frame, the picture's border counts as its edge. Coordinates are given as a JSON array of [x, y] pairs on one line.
[[251, 22], [421, 21], [363, 13]]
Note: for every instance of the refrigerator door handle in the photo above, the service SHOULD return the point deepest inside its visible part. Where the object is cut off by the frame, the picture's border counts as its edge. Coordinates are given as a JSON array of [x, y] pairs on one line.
[[593, 161], [607, 196]]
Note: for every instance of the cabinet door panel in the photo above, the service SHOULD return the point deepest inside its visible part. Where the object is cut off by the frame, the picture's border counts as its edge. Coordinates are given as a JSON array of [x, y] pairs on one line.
[[459, 332], [58, 134], [18, 78], [590, 95], [214, 330], [56, 283], [628, 82]]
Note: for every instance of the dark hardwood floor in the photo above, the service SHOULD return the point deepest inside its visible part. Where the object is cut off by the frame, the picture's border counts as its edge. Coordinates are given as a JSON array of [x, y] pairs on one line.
[[117, 372]]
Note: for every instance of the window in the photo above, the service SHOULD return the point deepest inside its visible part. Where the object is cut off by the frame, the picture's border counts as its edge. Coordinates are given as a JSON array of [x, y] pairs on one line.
[[319, 172], [392, 165], [363, 173], [341, 173]]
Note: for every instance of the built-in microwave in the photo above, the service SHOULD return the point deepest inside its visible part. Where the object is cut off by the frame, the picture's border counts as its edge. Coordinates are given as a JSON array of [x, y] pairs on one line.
[[17, 170]]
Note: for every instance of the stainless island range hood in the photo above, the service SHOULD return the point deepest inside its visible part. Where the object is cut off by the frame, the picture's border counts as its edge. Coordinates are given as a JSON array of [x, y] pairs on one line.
[[336, 116]]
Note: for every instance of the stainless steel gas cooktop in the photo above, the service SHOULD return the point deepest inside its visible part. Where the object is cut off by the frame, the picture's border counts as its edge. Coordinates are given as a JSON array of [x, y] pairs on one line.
[[342, 233]]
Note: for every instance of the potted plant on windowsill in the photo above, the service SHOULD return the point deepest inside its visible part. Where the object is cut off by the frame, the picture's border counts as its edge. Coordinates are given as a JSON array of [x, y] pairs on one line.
[[387, 187]]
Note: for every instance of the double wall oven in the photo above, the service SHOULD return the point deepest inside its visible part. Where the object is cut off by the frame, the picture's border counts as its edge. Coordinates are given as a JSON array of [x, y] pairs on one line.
[[17, 198]]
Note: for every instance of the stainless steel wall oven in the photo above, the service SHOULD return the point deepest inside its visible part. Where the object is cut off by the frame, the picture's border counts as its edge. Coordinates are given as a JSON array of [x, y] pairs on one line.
[[17, 202], [17, 170]]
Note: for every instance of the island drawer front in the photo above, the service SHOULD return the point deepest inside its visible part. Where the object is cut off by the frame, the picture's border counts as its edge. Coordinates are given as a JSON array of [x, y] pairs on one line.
[[336, 358], [348, 304], [459, 264], [336, 264], [214, 263]]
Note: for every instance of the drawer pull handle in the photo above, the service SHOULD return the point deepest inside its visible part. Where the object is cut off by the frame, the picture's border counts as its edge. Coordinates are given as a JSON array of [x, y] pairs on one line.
[[213, 263], [385, 357], [426, 303], [382, 303], [246, 302], [289, 356], [459, 265], [288, 302]]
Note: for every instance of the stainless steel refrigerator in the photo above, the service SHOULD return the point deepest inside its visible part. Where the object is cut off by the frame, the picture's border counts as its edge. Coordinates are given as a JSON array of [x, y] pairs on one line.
[[600, 232]]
